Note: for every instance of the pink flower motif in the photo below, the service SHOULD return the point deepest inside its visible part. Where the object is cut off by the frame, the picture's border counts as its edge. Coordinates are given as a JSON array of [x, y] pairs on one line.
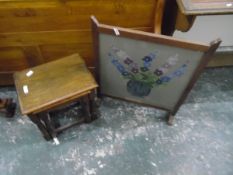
[[128, 61], [158, 72], [134, 70]]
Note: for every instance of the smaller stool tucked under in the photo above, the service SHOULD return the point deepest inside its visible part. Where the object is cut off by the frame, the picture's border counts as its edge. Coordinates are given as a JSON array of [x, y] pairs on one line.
[[7, 106], [47, 87]]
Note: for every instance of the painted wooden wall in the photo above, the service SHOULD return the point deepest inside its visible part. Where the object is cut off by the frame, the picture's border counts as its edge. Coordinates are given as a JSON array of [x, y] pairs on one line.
[[37, 31]]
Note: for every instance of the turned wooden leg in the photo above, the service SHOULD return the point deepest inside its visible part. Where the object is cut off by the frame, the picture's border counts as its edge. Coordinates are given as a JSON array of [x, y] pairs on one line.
[[85, 103], [36, 120]]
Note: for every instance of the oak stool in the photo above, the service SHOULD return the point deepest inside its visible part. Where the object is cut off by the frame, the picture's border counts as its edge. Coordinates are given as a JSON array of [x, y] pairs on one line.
[[44, 88]]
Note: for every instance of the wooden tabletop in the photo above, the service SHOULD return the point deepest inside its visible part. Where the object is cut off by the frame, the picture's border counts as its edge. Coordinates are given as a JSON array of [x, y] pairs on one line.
[[53, 83], [204, 7]]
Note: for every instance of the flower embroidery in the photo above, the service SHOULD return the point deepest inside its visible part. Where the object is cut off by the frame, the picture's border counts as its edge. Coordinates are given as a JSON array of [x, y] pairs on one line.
[[120, 68], [125, 73], [128, 61], [173, 60], [141, 79], [147, 64], [158, 72], [134, 65], [164, 70], [184, 65], [159, 82], [115, 62], [178, 73], [134, 70], [165, 79], [147, 59], [144, 69]]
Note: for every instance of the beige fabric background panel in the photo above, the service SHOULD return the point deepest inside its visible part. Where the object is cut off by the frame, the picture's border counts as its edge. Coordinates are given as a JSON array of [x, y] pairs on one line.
[[166, 96]]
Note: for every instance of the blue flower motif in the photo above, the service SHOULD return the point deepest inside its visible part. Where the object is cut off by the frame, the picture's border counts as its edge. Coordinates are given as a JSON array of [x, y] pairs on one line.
[[159, 81], [120, 68], [178, 73], [125, 73], [165, 79], [147, 64], [152, 55], [129, 69], [147, 59], [115, 62]]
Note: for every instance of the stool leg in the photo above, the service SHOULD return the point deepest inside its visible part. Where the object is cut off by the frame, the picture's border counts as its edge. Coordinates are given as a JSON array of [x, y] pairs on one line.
[[36, 120], [85, 103], [48, 123], [94, 104], [170, 118], [54, 119]]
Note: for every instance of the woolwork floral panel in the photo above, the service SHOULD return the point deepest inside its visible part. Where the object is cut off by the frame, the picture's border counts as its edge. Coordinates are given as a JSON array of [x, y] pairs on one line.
[[145, 72]]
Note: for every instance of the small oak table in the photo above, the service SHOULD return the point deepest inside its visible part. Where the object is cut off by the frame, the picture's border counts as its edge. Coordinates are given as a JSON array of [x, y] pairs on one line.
[[180, 14], [189, 9], [49, 86]]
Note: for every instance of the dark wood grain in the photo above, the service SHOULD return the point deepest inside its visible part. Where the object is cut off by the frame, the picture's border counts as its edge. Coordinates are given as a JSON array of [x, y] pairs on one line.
[[35, 32]]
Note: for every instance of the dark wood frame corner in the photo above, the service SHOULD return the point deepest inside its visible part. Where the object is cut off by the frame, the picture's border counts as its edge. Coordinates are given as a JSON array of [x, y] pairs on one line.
[[95, 36], [207, 49], [158, 17]]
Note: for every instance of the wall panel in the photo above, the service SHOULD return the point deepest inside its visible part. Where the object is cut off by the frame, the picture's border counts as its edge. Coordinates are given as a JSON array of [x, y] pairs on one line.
[[33, 32]]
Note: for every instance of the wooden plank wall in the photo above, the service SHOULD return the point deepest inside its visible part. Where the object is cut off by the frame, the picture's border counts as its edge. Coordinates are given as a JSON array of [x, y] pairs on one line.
[[33, 32]]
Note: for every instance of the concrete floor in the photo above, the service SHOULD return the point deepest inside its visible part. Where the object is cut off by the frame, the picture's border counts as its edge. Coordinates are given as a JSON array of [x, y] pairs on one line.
[[130, 139]]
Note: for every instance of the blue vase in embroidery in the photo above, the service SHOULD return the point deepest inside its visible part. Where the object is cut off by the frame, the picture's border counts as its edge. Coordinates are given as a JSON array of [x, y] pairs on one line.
[[138, 88]]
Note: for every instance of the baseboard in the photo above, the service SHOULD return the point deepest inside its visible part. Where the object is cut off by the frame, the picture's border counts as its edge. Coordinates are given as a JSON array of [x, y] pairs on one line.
[[223, 57]]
